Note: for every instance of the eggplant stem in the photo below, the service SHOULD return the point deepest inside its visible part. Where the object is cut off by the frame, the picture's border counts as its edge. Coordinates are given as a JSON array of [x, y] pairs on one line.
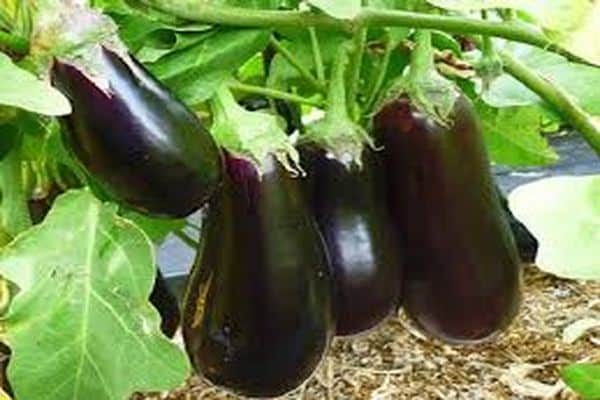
[[294, 62], [382, 71], [14, 214], [367, 17], [556, 97], [317, 56], [359, 42], [274, 93]]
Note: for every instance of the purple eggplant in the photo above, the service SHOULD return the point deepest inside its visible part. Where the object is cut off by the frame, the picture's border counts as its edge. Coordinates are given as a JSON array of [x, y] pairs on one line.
[[141, 144], [258, 313], [462, 275], [349, 204]]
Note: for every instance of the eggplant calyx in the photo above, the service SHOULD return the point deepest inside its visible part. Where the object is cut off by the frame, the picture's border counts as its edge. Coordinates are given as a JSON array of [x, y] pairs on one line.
[[55, 35], [336, 133], [252, 135], [340, 137], [429, 92]]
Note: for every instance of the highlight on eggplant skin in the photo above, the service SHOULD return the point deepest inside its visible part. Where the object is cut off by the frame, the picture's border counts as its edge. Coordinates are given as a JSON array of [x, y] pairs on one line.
[[348, 203], [462, 274], [258, 314], [144, 146]]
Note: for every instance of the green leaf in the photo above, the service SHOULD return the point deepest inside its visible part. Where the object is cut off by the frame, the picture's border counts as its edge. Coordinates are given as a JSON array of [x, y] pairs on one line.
[[196, 72], [563, 213], [581, 81], [584, 379], [343, 9], [512, 135], [19, 88], [81, 326]]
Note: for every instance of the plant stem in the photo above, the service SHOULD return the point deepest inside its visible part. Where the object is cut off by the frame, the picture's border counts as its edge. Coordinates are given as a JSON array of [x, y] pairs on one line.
[[488, 44], [14, 214], [337, 106], [359, 42], [382, 71], [368, 17], [556, 97], [421, 59], [306, 74], [15, 44], [275, 94], [316, 49]]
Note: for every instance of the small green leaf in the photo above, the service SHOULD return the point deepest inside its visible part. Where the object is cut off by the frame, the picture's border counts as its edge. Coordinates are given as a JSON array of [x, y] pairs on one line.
[[563, 213], [81, 325], [512, 135], [584, 379], [19, 88], [343, 9]]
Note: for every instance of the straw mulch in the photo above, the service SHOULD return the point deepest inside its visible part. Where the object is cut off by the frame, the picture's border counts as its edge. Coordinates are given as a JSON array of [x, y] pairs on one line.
[[397, 362]]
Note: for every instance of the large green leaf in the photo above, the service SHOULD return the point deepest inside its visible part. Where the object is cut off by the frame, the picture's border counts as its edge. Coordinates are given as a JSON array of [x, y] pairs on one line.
[[581, 81], [563, 213], [19, 88], [81, 326], [196, 72], [512, 135], [584, 379], [570, 23]]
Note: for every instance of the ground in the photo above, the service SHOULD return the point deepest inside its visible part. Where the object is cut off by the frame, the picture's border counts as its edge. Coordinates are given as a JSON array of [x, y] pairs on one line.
[[396, 362]]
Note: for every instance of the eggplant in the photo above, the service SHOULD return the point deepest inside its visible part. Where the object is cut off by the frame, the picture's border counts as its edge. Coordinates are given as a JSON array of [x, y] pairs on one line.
[[527, 244], [167, 305], [144, 147], [349, 204], [258, 313], [462, 275]]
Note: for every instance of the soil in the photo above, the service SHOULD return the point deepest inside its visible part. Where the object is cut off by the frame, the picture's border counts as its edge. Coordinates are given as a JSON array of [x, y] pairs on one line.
[[397, 362]]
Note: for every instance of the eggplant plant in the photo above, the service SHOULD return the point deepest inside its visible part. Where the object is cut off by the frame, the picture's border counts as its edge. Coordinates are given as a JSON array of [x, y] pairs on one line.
[[327, 162]]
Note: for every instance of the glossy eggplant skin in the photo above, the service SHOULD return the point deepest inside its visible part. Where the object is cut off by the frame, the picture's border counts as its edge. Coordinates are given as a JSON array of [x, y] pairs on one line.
[[462, 274], [144, 146], [258, 313], [349, 204]]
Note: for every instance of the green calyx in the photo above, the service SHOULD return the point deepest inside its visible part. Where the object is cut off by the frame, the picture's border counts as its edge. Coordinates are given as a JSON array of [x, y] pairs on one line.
[[428, 90], [253, 135], [337, 133]]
